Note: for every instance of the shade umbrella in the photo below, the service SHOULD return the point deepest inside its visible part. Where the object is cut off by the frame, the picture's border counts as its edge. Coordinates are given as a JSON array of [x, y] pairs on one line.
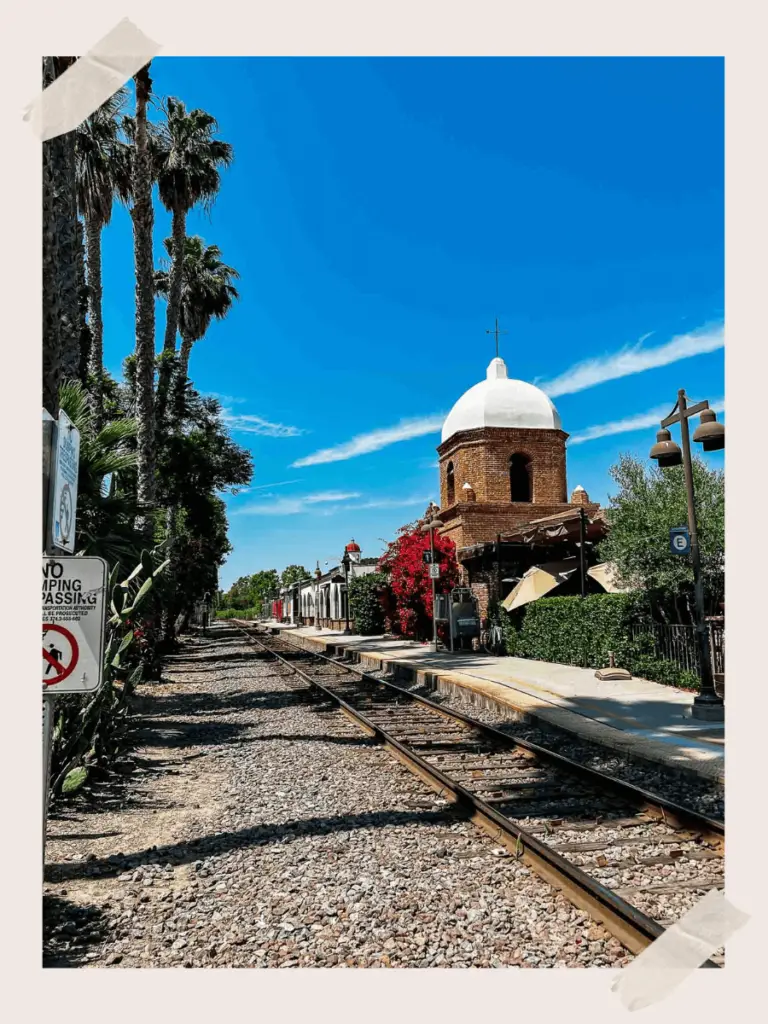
[[537, 582], [606, 574]]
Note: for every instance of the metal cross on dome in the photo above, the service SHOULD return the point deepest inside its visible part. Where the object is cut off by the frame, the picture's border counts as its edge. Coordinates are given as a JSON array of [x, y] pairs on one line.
[[497, 332]]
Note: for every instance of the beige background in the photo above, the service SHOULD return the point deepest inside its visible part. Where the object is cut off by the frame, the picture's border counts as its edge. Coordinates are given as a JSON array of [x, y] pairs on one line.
[[736, 29]]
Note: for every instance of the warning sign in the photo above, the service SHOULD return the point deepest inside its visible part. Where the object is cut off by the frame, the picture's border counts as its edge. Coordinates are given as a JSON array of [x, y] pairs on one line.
[[60, 653], [74, 592]]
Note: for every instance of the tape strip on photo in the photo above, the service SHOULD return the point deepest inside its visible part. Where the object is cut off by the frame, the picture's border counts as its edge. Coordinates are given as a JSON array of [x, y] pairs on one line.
[[683, 947], [90, 81]]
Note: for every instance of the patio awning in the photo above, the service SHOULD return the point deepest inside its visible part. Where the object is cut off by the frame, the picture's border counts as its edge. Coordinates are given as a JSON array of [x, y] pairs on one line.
[[538, 581], [607, 576]]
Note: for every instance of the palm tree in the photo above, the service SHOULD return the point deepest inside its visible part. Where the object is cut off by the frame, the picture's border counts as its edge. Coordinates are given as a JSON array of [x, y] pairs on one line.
[[143, 217], [61, 335], [207, 293], [102, 174], [106, 507], [187, 173]]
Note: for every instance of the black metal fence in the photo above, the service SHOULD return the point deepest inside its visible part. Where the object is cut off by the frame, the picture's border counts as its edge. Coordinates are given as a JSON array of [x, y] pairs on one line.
[[678, 644]]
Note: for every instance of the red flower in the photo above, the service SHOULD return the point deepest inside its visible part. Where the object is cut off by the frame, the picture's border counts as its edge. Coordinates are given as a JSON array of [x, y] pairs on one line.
[[410, 581]]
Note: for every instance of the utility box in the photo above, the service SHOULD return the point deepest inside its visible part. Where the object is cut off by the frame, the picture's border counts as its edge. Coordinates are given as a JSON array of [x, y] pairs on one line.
[[459, 610]]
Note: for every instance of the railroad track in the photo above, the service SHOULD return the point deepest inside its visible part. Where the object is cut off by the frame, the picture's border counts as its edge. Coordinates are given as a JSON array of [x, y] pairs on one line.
[[632, 860]]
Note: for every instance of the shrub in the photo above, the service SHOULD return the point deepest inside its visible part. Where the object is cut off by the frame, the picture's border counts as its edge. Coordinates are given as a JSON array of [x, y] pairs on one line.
[[658, 670], [366, 603], [238, 613], [579, 631], [410, 585], [583, 631]]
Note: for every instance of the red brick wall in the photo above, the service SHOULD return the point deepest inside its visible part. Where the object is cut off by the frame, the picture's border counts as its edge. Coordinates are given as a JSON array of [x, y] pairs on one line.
[[481, 458], [472, 523]]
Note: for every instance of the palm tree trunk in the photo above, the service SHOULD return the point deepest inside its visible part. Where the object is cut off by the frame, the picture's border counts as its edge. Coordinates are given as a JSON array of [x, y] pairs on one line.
[[179, 233], [143, 219], [180, 385], [167, 617], [83, 329], [61, 342], [96, 360]]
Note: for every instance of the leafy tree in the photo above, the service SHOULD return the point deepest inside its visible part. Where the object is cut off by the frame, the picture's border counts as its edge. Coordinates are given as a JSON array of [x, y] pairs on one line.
[[293, 574], [367, 595], [649, 502], [106, 505], [409, 580], [194, 465]]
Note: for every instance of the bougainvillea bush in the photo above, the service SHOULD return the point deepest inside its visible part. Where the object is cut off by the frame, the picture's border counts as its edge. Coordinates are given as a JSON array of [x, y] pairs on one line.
[[410, 586]]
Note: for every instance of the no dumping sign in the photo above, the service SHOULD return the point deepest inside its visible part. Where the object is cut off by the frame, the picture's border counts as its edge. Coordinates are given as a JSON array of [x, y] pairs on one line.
[[74, 591]]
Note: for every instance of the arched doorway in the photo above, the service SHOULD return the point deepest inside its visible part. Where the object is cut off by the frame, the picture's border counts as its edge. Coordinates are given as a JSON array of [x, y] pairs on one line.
[[520, 478]]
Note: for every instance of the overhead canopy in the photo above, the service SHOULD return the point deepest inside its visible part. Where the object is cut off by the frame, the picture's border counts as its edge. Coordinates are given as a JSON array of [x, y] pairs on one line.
[[538, 581], [606, 575]]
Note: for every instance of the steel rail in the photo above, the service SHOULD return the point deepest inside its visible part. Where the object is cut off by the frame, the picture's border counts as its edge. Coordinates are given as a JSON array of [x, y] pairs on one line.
[[632, 927]]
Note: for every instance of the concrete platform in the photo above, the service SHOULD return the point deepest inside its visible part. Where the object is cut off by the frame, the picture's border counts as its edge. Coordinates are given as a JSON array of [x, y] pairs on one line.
[[641, 719]]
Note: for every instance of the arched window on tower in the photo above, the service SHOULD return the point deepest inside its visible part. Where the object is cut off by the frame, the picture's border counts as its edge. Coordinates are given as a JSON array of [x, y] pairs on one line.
[[451, 484], [520, 478]]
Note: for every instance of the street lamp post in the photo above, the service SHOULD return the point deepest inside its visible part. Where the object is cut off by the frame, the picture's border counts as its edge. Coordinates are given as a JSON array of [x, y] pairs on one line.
[[429, 527], [345, 562], [710, 434], [318, 574]]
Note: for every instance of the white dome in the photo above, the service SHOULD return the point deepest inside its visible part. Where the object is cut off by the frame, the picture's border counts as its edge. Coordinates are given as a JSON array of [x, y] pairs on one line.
[[499, 401]]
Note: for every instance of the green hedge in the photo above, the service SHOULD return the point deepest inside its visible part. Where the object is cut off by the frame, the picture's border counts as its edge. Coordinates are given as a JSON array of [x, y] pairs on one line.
[[582, 631], [365, 603], [238, 613]]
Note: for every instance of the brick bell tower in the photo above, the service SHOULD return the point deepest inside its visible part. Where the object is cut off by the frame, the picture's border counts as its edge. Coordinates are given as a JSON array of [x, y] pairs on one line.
[[502, 460]]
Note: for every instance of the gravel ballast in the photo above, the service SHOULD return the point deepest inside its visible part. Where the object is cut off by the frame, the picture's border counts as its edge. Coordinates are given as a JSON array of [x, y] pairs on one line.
[[261, 828]]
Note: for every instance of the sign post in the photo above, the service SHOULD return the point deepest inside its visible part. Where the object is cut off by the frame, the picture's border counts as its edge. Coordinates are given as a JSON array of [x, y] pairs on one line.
[[61, 464], [74, 599]]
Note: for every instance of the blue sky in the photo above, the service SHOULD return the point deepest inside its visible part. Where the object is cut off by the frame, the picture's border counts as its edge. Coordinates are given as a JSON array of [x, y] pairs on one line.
[[382, 213]]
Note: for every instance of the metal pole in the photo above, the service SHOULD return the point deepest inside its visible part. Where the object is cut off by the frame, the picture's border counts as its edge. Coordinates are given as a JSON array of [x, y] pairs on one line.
[[347, 630], [49, 699], [582, 555], [434, 589], [498, 567], [49, 708], [706, 704]]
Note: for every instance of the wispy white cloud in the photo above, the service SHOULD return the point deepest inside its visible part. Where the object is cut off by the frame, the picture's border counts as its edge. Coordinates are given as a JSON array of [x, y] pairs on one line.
[[325, 503], [634, 359], [295, 505], [314, 499], [225, 400], [246, 423], [641, 421], [280, 483], [375, 440], [374, 503], [389, 503]]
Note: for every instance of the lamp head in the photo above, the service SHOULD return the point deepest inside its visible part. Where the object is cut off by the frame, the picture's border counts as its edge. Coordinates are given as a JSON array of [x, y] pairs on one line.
[[710, 434], [666, 452]]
